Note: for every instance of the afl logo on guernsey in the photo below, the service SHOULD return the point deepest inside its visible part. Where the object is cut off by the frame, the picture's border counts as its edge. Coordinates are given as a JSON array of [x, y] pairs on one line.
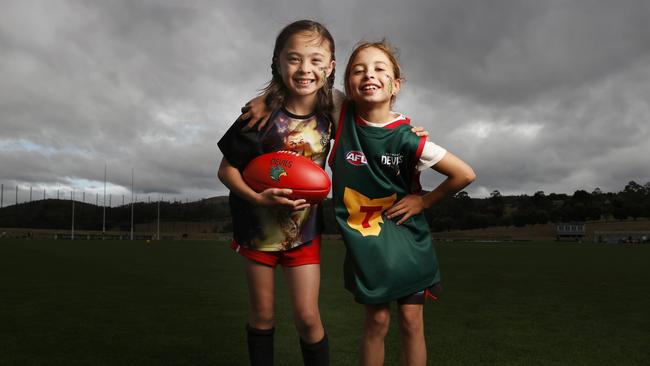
[[356, 158]]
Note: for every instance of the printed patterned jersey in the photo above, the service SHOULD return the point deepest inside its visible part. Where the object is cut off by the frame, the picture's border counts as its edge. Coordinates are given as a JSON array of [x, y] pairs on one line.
[[275, 228], [373, 168]]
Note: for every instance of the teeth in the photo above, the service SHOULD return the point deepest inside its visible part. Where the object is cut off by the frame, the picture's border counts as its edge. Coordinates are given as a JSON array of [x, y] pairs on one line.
[[369, 87]]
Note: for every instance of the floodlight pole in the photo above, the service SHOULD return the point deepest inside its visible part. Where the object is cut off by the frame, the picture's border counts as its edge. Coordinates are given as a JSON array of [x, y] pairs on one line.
[[2, 194], [30, 194], [131, 203], [16, 203], [72, 228], [158, 229], [104, 206]]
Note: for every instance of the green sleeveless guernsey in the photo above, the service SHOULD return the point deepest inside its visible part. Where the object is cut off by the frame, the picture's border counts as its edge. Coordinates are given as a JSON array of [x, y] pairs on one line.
[[373, 168]]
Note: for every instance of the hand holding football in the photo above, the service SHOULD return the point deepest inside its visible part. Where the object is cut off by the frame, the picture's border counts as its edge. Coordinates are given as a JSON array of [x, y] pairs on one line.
[[287, 169]]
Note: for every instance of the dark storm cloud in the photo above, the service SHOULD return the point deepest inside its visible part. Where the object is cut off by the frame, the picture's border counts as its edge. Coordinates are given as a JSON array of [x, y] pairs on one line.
[[133, 84], [513, 51], [536, 95]]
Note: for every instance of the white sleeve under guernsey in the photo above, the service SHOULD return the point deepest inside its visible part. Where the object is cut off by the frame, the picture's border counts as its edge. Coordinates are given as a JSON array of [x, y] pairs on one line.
[[431, 155]]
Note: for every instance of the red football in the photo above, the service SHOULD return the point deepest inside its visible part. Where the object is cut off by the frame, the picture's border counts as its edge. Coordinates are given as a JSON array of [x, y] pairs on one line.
[[287, 169]]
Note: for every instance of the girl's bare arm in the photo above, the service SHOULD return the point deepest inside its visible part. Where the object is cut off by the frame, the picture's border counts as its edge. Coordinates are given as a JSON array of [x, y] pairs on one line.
[[459, 175]]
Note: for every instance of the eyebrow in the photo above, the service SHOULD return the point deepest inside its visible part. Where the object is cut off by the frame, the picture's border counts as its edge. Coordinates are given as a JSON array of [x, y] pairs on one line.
[[374, 63], [292, 53]]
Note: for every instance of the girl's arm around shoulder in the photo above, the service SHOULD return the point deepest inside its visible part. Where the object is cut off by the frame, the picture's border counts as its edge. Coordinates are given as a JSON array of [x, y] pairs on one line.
[[232, 178], [459, 175], [257, 112]]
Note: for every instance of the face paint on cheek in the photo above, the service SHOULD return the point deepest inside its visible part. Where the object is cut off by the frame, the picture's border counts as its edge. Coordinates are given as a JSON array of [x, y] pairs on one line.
[[324, 72], [390, 84]]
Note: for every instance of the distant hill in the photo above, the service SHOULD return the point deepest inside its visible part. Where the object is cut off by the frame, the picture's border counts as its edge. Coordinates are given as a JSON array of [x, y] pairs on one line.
[[57, 214], [460, 212]]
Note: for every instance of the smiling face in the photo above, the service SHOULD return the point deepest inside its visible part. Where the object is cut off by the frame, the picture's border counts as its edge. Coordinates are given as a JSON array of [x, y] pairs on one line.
[[371, 77], [305, 63]]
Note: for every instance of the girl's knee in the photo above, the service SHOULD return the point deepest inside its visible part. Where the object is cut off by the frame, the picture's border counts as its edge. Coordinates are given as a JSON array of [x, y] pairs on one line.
[[411, 323], [412, 328], [307, 319], [377, 321], [262, 318], [309, 326]]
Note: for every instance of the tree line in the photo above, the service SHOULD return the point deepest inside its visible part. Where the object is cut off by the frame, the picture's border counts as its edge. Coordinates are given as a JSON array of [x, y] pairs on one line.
[[460, 212]]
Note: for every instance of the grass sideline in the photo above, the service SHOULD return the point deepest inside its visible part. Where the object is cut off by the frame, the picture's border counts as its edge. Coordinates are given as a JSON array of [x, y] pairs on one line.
[[185, 303]]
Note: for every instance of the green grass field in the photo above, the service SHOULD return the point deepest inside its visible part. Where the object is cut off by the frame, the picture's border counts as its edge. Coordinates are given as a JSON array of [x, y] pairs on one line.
[[185, 303]]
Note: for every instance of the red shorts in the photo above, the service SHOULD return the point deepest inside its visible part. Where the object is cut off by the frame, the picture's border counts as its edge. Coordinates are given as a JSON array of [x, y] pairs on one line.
[[308, 253]]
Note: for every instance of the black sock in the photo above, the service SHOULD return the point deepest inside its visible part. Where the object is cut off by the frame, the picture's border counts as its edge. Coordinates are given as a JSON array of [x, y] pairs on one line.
[[316, 354], [260, 346]]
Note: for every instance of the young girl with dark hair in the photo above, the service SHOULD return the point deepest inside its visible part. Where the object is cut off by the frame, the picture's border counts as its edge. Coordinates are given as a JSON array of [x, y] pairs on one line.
[[268, 227]]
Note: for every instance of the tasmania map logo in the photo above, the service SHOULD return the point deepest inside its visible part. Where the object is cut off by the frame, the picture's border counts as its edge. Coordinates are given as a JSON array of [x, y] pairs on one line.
[[356, 158]]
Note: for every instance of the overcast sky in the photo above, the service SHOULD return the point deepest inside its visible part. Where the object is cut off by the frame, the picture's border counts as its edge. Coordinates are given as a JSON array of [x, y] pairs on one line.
[[535, 95]]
